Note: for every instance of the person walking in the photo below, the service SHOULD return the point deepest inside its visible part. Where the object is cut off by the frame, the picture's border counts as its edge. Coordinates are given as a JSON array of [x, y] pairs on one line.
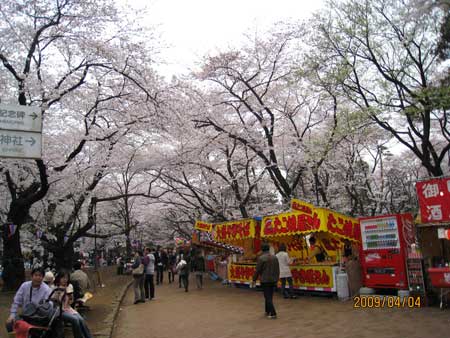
[[149, 265], [179, 258], [199, 269], [285, 272], [138, 276], [183, 268], [159, 265], [172, 265], [165, 263], [268, 269]]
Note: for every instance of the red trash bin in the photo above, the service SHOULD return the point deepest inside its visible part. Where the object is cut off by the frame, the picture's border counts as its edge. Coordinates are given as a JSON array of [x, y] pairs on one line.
[[440, 278]]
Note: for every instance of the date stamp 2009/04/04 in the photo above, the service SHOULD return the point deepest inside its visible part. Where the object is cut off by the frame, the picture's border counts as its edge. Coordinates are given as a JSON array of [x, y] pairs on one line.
[[378, 302]]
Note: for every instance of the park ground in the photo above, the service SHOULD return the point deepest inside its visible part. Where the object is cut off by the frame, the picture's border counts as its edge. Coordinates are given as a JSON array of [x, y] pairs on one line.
[[222, 311]]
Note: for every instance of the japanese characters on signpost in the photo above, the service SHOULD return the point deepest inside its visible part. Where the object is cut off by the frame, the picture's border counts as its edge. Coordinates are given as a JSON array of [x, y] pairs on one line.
[[20, 131]]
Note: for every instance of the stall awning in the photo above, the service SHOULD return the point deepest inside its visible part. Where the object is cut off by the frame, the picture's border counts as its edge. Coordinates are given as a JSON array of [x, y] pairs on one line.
[[206, 239]]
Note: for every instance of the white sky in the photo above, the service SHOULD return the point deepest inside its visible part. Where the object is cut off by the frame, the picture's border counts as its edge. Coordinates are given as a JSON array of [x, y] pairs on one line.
[[195, 27]]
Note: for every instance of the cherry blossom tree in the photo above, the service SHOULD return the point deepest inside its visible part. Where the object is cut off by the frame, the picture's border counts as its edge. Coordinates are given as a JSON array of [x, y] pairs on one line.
[[83, 65], [387, 66]]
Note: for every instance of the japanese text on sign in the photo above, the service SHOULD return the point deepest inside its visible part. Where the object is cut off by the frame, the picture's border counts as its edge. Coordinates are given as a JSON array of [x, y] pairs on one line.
[[313, 276], [202, 226], [302, 206], [434, 200], [242, 273], [302, 276], [290, 223], [22, 118], [235, 230], [340, 224]]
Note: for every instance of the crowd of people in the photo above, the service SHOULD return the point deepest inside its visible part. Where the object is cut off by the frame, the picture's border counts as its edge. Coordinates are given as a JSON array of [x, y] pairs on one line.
[[62, 293], [148, 269], [153, 263]]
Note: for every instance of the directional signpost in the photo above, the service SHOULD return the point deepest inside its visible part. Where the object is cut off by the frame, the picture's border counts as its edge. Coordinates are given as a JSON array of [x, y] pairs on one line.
[[20, 131]]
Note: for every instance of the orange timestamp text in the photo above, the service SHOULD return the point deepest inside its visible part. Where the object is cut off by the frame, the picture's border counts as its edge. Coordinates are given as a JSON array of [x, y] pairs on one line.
[[378, 302]]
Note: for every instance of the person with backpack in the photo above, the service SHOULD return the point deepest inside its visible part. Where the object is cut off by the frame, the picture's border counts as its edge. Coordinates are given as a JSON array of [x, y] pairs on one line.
[[183, 268], [33, 291]]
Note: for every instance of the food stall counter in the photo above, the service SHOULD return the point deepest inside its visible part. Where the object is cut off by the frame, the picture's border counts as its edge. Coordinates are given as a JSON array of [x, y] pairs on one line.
[[311, 277]]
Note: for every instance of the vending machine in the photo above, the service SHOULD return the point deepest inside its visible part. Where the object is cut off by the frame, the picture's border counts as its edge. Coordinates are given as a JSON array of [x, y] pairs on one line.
[[385, 240]]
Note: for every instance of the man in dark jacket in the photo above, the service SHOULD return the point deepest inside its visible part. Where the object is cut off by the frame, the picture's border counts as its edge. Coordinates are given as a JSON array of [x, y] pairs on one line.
[[268, 269]]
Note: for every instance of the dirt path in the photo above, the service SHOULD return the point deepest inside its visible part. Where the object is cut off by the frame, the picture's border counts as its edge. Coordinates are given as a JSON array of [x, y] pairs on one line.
[[222, 312]]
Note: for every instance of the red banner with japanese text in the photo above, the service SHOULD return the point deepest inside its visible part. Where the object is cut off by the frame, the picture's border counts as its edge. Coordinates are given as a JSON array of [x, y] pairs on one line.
[[235, 230], [434, 200], [202, 226]]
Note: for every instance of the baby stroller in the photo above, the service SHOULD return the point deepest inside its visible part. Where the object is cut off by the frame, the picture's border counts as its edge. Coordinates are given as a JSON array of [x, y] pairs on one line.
[[41, 320]]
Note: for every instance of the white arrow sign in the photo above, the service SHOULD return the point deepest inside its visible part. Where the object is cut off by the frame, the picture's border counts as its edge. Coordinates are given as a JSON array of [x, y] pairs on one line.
[[17, 117], [20, 144]]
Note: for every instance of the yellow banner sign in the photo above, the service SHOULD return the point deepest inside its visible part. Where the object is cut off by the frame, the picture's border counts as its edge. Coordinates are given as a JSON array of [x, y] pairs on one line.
[[305, 218], [312, 276], [305, 207], [235, 230], [241, 272], [302, 275], [202, 226], [339, 224]]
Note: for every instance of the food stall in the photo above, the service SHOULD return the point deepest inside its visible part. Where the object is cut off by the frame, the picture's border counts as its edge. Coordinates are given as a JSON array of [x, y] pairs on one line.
[[242, 233], [229, 242], [293, 228], [330, 229], [433, 232]]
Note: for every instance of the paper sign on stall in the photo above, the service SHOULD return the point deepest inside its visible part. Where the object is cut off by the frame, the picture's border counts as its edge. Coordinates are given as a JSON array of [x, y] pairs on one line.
[[202, 226]]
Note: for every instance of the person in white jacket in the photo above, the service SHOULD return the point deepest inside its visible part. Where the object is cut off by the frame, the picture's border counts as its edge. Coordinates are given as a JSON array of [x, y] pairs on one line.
[[285, 272]]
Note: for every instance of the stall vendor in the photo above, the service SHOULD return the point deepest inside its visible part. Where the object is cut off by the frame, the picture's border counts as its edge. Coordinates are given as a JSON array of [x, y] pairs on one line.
[[348, 251], [316, 251]]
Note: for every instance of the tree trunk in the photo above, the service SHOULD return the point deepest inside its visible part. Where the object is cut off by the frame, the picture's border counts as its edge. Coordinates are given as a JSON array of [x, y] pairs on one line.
[[64, 255], [13, 269], [128, 244]]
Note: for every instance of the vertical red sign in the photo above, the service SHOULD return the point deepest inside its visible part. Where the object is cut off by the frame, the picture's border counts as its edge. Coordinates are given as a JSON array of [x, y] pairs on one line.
[[434, 200]]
